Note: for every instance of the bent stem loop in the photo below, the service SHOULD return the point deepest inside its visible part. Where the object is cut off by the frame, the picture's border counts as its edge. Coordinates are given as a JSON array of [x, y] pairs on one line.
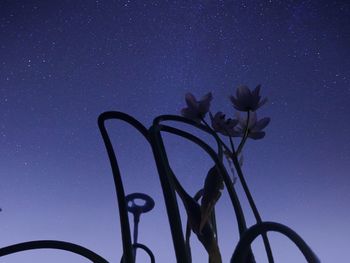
[[144, 248], [118, 183], [253, 232], [166, 180], [252, 205], [53, 244], [247, 191]]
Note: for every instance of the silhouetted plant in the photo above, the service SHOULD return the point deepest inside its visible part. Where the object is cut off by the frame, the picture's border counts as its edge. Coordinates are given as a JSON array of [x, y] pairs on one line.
[[200, 209], [246, 101], [244, 127]]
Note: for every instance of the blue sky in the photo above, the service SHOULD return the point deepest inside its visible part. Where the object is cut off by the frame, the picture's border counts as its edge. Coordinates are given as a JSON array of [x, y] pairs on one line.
[[63, 63]]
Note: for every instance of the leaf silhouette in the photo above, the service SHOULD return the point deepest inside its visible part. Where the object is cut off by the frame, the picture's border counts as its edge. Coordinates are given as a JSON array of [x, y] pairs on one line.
[[193, 210], [213, 185]]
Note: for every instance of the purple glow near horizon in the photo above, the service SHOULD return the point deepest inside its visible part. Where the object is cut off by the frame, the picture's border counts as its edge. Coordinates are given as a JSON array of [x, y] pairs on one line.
[[65, 62]]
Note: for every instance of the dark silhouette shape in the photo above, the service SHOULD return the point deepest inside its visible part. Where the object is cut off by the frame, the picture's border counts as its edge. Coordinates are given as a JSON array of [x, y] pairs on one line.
[[137, 210], [53, 244]]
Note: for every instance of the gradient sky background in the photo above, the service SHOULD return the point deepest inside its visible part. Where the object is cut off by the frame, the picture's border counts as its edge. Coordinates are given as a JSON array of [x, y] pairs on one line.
[[64, 62]]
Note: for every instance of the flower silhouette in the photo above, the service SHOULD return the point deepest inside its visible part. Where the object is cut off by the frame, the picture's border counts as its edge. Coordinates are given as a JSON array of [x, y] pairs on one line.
[[225, 127], [255, 126], [196, 110], [247, 100]]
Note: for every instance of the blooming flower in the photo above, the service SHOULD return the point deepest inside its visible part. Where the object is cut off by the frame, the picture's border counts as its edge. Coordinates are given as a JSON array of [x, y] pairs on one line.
[[247, 100], [225, 127], [196, 110], [255, 126]]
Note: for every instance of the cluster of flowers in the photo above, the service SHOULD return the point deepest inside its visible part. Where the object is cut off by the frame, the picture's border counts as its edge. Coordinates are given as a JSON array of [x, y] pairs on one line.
[[245, 127], [245, 100]]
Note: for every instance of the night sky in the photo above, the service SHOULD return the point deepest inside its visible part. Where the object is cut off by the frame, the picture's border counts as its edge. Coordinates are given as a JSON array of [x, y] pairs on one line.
[[62, 63]]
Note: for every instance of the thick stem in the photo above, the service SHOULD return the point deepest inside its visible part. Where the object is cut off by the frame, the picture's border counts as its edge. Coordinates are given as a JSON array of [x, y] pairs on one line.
[[118, 184], [136, 231], [167, 183]]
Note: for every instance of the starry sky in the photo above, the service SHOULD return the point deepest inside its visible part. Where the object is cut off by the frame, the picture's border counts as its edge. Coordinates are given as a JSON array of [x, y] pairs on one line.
[[62, 63]]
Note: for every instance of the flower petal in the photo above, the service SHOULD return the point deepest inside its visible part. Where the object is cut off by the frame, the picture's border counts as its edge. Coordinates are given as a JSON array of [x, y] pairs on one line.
[[233, 100], [231, 123], [207, 97], [261, 103], [261, 124], [256, 91], [190, 113], [191, 100], [204, 104], [237, 132], [247, 100], [215, 120], [243, 91], [256, 135]]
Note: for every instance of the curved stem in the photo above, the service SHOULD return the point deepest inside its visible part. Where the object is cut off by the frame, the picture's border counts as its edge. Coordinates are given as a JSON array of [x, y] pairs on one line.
[[136, 232], [196, 197], [253, 232], [53, 244], [252, 205], [166, 180], [244, 184], [207, 237], [123, 213], [217, 138], [245, 135], [146, 249], [231, 142]]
